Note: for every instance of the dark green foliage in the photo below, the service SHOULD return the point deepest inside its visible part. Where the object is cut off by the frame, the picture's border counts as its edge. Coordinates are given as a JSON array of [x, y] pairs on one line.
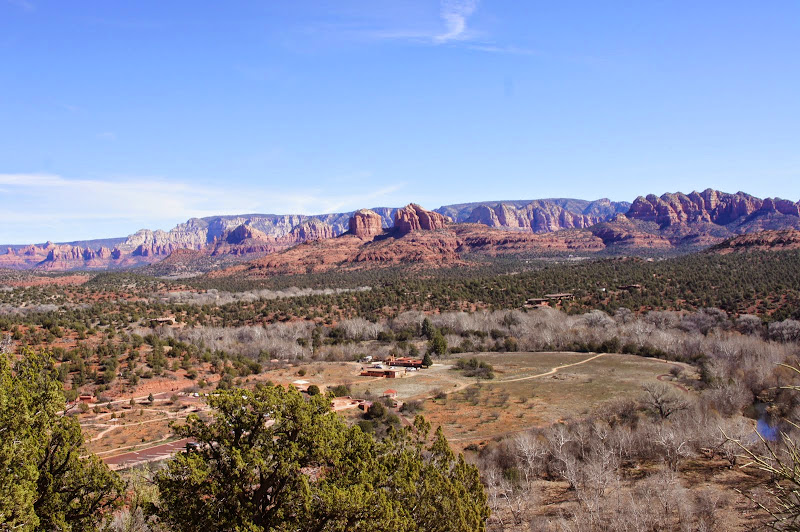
[[411, 407], [437, 344], [427, 329], [375, 411], [340, 390], [472, 367], [47, 481], [271, 460]]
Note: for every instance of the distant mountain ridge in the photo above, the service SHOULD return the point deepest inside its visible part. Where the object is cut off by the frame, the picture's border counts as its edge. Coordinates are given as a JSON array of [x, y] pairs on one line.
[[670, 220], [604, 207]]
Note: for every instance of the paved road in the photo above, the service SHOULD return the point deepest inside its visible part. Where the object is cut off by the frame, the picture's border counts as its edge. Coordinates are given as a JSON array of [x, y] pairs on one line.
[[142, 456]]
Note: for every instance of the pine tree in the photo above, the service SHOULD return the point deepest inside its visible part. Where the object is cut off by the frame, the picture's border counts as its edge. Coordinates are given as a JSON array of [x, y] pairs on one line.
[[428, 330], [47, 479], [437, 344]]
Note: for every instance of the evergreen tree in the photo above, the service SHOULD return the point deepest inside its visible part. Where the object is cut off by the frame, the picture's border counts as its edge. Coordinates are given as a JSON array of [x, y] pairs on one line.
[[272, 460], [437, 344], [428, 330], [47, 481]]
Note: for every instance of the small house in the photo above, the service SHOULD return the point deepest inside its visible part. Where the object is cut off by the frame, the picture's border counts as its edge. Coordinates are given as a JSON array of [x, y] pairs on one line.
[[565, 296], [388, 373], [405, 362]]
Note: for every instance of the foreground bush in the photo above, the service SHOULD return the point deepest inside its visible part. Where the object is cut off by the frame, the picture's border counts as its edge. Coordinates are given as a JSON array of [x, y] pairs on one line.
[[274, 460]]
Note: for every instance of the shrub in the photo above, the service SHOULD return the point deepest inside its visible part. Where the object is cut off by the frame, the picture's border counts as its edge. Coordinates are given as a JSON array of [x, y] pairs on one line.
[[472, 367], [340, 390]]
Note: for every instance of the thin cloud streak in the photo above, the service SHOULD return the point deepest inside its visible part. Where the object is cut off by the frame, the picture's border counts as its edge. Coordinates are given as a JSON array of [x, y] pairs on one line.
[[453, 13], [50, 207], [496, 49]]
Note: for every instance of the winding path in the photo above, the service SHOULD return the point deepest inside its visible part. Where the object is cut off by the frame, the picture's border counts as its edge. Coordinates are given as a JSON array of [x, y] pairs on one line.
[[546, 373]]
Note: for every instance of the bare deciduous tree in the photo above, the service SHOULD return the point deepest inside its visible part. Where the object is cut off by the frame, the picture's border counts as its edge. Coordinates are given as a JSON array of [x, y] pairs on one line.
[[660, 399]]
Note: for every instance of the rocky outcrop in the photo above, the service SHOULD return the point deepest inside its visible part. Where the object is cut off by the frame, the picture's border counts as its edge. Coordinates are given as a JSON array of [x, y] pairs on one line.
[[602, 209], [311, 230], [781, 206], [241, 240], [448, 246], [621, 232], [366, 224], [698, 219], [412, 217], [244, 233], [709, 206], [63, 257], [761, 241], [282, 230], [539, 216]]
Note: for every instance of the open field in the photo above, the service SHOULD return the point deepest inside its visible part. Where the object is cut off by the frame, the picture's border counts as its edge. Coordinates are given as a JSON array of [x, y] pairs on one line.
[[530, 389], [527, 392]]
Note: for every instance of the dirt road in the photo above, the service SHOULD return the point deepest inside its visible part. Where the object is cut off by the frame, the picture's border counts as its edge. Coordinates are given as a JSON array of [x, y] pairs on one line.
[[546, 373], [142, 456]]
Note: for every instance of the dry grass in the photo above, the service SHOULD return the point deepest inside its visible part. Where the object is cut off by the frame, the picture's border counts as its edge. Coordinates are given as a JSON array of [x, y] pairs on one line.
[[489, 409]]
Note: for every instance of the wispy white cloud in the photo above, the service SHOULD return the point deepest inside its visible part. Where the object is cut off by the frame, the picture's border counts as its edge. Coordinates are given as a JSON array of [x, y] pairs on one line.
[[497, 49], [450, 26], [43, 207], [455, 14]]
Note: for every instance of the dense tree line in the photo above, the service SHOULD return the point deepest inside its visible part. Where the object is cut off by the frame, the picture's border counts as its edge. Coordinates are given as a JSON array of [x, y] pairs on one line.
[[764, 284]]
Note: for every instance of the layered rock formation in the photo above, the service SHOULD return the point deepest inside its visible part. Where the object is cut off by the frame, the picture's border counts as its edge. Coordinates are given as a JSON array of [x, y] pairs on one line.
[[537, 217], [705, 218], [709, 206], [602, 209], [310, 230], [448, 246], [60, 257], [761, 241], [698, 219], [412, 217], [366, 224], [621, 232], [243, 233], [241, 240]]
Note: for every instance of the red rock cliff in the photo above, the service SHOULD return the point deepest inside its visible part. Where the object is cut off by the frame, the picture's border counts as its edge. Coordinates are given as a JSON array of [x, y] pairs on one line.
[[366, 224], [412, 217]]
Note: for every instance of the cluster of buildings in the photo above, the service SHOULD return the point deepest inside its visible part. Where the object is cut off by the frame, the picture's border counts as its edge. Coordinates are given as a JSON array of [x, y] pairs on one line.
[[398, 367]]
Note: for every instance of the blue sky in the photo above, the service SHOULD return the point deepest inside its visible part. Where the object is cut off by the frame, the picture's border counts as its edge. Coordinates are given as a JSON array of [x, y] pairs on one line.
[[120, 115]]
